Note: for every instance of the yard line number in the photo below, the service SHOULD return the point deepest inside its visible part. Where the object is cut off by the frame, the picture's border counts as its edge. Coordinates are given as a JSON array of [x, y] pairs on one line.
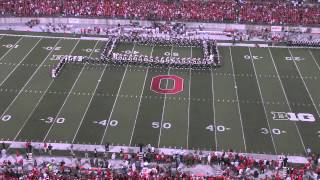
[[219, 128], [50, 48], [131, 52], [297, 58], [165, 125], [50, 120], [89, 50], [112, 123], [14, 46], [275, 131], [6, 117], [174, 54], [248, 57]]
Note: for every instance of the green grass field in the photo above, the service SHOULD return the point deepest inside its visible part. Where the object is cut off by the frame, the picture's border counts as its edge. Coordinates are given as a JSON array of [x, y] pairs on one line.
[[259, 101]]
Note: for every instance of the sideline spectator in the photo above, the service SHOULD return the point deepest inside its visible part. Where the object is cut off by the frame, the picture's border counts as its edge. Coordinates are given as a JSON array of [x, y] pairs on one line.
[[50, 149], [232, 165]]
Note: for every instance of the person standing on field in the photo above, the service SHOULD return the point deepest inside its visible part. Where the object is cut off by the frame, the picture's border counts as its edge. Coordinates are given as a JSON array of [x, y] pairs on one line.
[[50, 149]]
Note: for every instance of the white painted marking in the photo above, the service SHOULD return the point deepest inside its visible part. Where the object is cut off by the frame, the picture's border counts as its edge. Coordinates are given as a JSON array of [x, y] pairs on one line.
[[135, 119], [30, 114], [20, 62], [10, 49], [66, 99], [188, 129], [285, 95], [239, 111], [115, 101], [164, 105], [305, 85], [25, 85], [214, 111], [90, 101], [264, 107], [39, 36]]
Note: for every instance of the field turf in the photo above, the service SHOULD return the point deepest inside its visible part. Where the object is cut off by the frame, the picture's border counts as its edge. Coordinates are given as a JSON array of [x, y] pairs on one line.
[[231, 107]]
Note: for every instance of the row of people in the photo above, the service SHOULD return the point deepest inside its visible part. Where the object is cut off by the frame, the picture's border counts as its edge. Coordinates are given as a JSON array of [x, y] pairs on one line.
[[65, 59], [110, 45], [56, 70], [304, 43], [209, 49], [170, 61], [205, 49], [161, 41]]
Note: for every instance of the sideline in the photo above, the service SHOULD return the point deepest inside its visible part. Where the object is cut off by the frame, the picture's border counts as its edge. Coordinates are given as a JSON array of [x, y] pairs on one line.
[[263, 45], [56, 37], [167, 151]]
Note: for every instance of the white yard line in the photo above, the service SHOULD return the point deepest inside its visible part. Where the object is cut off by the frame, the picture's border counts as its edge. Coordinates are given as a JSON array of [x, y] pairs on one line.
[[285, 95], [236, 91], [214, 112], [54, 37], [114, 104], [314, 59], [90, 101], [163, 110], [188, 130], [11, 48], [164, 105], [294, 47], [25, 85], [57, 115], [20, 62], [135, 119], [30, 114], [262, 100], [115, 101], [188, 127], [138, 109], [67, 98], [305, 85], [59, 37]]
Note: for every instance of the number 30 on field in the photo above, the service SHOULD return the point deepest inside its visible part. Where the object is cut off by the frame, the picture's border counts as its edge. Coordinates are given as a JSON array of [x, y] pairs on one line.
[[273, 131]]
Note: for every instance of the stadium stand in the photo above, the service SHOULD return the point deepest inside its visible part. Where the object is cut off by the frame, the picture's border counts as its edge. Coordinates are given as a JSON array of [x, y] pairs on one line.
[[150, 164], [262, 12]]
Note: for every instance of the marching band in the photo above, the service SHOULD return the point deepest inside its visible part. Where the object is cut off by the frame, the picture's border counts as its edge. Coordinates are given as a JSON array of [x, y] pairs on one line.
[[210, 58], [209, 48]]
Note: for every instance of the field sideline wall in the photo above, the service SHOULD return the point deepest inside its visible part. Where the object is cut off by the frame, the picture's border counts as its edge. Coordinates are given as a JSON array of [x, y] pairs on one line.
[[193, 25]]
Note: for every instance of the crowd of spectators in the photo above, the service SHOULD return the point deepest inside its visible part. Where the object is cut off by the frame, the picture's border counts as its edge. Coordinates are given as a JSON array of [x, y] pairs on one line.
[[149, 163], [279, 13], [270, 12], [52, 7]]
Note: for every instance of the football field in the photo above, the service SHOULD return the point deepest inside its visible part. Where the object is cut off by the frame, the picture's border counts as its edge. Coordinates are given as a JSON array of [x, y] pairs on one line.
[[261, 100]]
